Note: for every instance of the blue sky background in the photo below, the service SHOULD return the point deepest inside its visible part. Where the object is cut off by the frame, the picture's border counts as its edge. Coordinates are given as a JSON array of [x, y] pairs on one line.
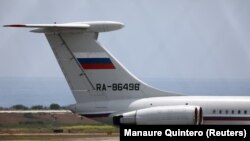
[[167, 40]]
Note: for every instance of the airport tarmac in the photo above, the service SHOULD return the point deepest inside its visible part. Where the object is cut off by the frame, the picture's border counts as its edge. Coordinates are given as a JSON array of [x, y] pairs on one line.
[[59, 137], [79, 139]]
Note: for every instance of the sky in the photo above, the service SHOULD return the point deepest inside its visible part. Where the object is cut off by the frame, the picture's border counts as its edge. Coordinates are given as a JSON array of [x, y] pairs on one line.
[[164, 39], [167, 39]]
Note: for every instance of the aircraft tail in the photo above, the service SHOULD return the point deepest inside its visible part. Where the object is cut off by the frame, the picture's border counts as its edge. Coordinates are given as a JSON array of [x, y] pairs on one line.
[[92, 73]]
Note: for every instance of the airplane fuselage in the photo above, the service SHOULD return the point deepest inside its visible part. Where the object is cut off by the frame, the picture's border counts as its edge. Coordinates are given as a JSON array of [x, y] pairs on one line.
[[216, 109]]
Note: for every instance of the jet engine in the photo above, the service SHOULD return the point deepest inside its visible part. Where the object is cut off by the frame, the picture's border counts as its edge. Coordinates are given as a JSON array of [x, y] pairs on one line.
[[162, 115]]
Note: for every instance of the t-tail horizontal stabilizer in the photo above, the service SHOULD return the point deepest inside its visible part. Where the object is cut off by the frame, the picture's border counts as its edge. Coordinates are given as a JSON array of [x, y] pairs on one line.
[[97, 26]]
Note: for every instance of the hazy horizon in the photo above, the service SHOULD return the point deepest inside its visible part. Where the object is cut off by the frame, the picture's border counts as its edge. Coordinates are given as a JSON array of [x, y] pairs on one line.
[[44, 91]]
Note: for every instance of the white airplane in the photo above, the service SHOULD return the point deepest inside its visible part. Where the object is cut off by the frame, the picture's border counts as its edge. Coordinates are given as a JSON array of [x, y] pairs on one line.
[[104, 89]]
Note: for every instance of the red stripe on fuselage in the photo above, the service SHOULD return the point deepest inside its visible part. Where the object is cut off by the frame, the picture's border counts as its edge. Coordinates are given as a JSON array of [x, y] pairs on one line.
[[227, 118]]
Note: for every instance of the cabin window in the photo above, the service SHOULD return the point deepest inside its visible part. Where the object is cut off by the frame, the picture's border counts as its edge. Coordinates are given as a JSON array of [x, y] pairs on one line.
[[232, 111], [226, 112], [238, 111], [245, 112], [214, 111], [220, 111]]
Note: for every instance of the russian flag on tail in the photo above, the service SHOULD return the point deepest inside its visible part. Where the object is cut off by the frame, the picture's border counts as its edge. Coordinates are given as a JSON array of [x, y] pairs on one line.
[[94, 60]]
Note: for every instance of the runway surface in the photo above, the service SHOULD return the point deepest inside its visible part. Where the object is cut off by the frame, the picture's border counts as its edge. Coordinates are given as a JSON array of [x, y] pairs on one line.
[[61, 137]]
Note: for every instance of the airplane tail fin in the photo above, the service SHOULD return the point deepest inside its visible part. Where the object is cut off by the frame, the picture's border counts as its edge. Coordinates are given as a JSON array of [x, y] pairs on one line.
[[92, 73]]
